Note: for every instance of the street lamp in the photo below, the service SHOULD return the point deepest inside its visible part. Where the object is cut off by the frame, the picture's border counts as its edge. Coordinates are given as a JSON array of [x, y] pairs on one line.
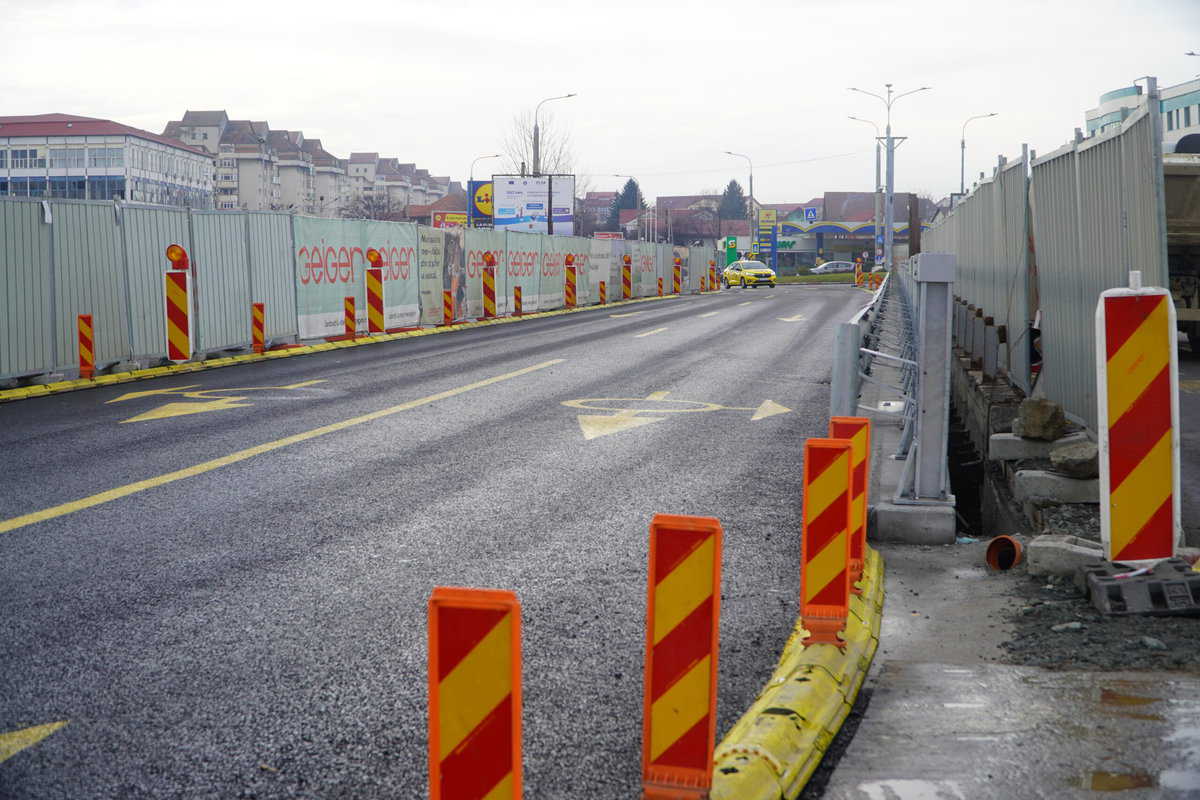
[[471, 172], [537, 161], [889, 200], [962, 159], [878, 185], [753, 214]]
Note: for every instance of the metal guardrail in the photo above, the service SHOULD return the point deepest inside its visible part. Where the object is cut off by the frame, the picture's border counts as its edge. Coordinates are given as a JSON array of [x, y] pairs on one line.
[[908, 326]]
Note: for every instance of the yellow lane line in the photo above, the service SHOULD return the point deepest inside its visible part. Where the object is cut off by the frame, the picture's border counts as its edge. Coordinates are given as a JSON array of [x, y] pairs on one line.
[[649, 333], [710, 314], [626, 314], [241, 455], [746, 303]]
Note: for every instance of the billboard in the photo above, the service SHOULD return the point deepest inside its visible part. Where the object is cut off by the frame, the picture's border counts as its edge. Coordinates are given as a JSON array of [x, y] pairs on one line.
[[479, 204], [448, 219], [768, 234], [523, 203]]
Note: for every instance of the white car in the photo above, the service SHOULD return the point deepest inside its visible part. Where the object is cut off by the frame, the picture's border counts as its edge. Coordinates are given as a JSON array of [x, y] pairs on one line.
[[833, 266]]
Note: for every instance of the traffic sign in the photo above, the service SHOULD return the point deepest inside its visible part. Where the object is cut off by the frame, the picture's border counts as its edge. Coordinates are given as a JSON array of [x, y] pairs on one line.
[[810, 214]]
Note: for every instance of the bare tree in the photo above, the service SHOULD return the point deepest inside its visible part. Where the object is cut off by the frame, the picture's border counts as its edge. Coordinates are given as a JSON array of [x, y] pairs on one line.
[[371, 206], [554, 145]]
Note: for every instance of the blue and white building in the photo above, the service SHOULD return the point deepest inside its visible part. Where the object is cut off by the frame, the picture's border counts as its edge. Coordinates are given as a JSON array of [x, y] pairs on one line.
[[1180, 109]]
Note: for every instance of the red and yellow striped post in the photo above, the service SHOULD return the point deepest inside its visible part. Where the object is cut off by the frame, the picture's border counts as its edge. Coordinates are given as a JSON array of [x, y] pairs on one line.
[[258, 327], [569, 276], [677, 276], [603, 293], [87, 347], [516, 301], [825, 541], [489, 285], [682, 621], [712, 276], [703, 286], [660, 287], [474, 694], [447, 307], [374, 292], [349, 319], [179, 330], [857, 431], [1137, 391], [626, 277]]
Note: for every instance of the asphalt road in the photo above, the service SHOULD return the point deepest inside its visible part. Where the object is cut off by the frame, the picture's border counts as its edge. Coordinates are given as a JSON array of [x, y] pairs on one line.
[[246, 615]]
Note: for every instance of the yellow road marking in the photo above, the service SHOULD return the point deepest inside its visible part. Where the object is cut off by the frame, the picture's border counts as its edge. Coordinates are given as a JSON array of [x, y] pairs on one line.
[[180, 409], [210, 394], [710, 314], [649, 333], [657, 396], [596, 425], [746, 303], [14, 742], [796, 318], [768, 409], [626, 314], [241, 455]]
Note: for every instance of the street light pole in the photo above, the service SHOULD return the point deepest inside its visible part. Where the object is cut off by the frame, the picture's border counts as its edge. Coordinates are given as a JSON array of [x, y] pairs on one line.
[[962, 159], [470, 180], [889, 212], [878, 217], [537, 160], [753, 212]]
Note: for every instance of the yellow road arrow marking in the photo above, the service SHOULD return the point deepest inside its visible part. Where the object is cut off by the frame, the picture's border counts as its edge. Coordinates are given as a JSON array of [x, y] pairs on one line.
[[152, 392], [768, 409], [15, 741], [648, 333], [797, 318], [182, 409], [596, 425], [626, 314]]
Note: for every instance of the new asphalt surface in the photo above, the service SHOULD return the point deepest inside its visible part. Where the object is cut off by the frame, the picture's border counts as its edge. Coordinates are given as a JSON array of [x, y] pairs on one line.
[[245, 615]]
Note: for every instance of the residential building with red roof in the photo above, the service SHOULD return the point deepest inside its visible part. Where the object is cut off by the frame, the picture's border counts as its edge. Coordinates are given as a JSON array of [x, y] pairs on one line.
[[85, 158]]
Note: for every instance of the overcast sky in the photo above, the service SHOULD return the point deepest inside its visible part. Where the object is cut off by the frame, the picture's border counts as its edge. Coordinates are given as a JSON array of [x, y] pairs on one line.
[[662, 88]]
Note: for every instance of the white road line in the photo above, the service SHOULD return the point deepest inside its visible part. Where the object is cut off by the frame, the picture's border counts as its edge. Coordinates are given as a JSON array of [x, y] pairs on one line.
[[649, 333]]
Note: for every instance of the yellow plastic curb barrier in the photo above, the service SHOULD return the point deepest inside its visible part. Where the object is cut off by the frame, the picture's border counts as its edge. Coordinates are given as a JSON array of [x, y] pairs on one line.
[[39, 390], [773, 750]]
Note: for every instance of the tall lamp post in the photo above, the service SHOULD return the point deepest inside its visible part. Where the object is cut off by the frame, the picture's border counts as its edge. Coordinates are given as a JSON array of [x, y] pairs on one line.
[[962, 158], [889, 206], [878, 192], [470, 180], [753, 215], [537, 134], [471, 172]]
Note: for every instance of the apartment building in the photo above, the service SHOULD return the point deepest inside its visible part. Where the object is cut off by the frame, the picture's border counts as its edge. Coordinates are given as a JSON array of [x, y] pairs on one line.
[[247, 173], [331, 184], [297, 175], [84, 158]]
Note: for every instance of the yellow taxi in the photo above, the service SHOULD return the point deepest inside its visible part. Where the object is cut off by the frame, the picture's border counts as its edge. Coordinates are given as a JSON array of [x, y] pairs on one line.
[[748, 274]]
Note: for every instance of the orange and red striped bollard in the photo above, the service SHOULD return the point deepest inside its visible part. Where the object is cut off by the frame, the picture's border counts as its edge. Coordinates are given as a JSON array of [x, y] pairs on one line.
[[516, 301], [677, 279], [825, 540], [682, 642], [258, 327], [712, 276], [626, 277], [603, 293], [375, 315], [1137, 389], [857, 431], [489, 292], [87, 347], [474, 694], [660, 287], [349, 320], [447, 307], [179, 331], [569, 287]]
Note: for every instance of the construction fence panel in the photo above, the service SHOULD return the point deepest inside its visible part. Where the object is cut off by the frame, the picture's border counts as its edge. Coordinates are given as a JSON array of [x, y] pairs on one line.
[[397, 243], [1013, 225], [585, 290], [431, 257], [272, 271], [524, 257], [221, 264], [480, 241], [645, 272], [146, 233], [330, 257], [26, 324], [601, 260], [551, 275]]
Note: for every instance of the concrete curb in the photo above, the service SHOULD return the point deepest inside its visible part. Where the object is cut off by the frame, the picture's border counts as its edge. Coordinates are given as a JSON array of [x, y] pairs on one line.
[[772, 751], [59, 387]]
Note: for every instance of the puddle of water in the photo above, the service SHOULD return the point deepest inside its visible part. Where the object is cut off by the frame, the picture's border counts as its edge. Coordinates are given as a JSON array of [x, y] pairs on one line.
[[1117, 781]]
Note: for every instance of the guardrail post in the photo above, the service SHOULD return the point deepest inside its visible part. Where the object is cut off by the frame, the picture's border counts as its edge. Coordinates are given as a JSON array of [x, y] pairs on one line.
[[977, 340], [934, 276], [968, 339], [843, 389], [991, 349]]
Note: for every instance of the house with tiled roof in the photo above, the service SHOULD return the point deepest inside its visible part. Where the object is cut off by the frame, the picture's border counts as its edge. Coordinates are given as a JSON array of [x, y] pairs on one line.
[[70, 156]]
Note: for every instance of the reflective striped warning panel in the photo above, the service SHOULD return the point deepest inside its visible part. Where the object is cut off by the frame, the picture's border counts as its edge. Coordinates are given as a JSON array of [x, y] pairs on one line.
[[857, 431], [825, 539], [474, 694], [682, 616], [1137, 392]]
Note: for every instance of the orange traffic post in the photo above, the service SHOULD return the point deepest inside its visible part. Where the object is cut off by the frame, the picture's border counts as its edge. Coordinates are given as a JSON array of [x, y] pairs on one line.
[[349, 319], [660, 287], [489, 285], [712, 275], [87, 347], [474, 694], [682, 642], [603, 293], [375, 292], [1137, 393], [516, 301], [177, 305], [703, 287], [626, 277], [857, 431], [825, 540], [569, 277], [447, 307], [677, 276], [258, 327]]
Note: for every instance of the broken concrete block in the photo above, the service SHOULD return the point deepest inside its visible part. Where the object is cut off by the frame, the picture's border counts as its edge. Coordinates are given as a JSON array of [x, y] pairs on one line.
[[1011, 447], [1039, 418], [1060, 555], [1040, 487], [1076, 459]]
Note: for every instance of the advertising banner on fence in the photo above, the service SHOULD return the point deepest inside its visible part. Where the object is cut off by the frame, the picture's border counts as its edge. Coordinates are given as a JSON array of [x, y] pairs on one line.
[[330, 259], [448, 219], [645, 271], [524, 262], [454, 276], [605, 256], [523, 203], [478, 243], [430, 262], [479, 204]]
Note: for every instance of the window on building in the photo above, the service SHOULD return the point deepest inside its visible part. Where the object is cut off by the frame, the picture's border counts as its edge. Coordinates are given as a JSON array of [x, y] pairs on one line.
[[27, 159], [106, 187], [1187, 116], [3, 185], [1170, 121], [3, 159], [106, 157]]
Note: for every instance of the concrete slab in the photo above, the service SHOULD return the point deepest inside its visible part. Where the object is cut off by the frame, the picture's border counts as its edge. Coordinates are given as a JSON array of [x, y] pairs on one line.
[[1010, 447], [1061, 555], [1040, 486], [998, 732], [912, 524]]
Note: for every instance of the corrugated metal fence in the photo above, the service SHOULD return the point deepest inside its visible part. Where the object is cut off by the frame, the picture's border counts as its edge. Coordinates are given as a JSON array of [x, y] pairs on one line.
[[1045, 236], [61, 258]]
